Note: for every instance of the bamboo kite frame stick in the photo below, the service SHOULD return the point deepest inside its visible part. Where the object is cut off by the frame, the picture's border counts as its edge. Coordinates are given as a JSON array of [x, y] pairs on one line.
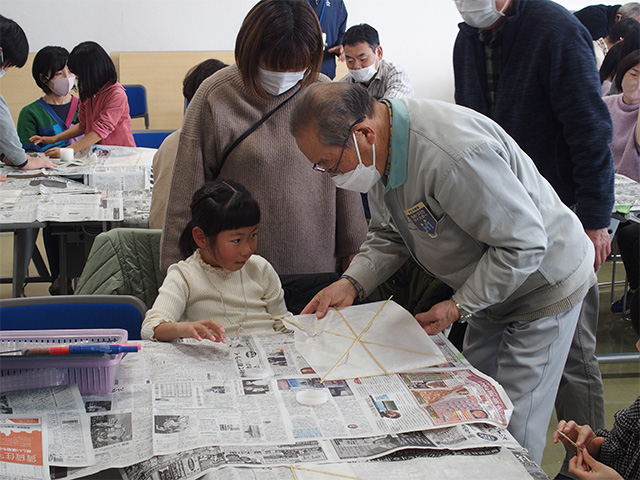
[[357, 340], [293, 468]]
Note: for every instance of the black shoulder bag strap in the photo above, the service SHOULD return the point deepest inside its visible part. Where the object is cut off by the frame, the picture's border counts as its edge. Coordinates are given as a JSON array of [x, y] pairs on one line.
[[253, 128]]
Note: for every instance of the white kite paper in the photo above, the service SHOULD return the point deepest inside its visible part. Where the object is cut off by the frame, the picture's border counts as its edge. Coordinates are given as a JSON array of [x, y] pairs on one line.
[[363, 341]]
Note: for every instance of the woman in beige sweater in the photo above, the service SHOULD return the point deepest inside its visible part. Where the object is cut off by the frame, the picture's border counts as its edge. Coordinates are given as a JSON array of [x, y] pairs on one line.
[[307, 224]]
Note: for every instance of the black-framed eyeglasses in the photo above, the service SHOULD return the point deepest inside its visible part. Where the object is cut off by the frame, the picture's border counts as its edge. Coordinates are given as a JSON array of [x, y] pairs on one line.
[[318, 168]]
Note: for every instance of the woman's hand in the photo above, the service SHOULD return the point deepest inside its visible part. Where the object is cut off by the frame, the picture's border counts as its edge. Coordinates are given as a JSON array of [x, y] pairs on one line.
[[200, 330], [38, 139], [584, 467]]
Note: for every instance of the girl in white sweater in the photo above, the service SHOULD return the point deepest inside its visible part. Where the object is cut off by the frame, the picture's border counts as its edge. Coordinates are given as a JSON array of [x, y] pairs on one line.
[[221, 288]]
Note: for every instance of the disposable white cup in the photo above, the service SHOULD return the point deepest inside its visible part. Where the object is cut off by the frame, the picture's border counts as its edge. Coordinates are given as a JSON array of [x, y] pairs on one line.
[[312, 397], [66, 154]]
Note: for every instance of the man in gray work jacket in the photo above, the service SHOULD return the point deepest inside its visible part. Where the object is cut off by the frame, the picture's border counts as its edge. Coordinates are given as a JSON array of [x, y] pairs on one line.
[[449, 187]]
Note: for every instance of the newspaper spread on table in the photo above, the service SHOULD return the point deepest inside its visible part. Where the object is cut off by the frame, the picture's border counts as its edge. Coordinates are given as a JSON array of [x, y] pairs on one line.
[[627, 192], [235, 404], [56, 199], [103, 167]]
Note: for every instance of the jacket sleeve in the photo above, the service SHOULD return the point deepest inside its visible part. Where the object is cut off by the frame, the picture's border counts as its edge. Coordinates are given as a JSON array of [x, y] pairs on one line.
[[383, 252], [500, 215], [115, 106], [170, 303], [575, 97], [27, 128]]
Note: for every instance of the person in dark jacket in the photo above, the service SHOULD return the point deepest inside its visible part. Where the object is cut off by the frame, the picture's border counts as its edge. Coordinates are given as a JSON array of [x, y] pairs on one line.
[[529, 65], [600, 18]]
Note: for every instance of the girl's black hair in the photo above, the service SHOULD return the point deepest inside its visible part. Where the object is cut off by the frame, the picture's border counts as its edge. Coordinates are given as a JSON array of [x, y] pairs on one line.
[[620, 50], [218, 206], [93, 68], [46, 63]]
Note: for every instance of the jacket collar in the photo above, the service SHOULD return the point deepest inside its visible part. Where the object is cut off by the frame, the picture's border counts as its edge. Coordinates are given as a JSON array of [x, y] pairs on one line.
[[399, 143]]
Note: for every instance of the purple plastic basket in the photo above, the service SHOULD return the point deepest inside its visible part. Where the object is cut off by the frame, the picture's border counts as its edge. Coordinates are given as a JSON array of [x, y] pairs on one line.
[[93, 375]]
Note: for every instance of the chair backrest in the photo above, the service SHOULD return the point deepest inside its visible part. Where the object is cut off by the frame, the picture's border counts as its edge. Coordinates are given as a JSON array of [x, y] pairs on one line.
[[150, 138], [73, 312], [124, 261], [137, 97]]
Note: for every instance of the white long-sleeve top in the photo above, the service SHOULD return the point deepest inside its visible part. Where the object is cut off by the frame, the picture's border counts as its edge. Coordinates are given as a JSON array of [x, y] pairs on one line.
[[194, 290]]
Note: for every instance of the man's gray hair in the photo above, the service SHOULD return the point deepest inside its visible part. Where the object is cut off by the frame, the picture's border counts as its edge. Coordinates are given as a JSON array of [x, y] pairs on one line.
[[331, 108], [629, 10]]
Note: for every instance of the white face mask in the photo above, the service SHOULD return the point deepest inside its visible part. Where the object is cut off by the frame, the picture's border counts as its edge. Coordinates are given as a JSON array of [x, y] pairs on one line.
[[62, 86], [276, 83], [2, 72], [480, 13], [365, 74], [361, 178]]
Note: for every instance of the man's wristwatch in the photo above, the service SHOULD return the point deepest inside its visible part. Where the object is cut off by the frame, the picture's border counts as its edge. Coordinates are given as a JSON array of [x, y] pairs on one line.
[[464, 315]]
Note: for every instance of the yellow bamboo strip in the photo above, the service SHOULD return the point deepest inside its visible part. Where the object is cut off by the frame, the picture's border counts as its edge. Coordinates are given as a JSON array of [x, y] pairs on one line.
[[355, 341], [363, 345], [306, 469]]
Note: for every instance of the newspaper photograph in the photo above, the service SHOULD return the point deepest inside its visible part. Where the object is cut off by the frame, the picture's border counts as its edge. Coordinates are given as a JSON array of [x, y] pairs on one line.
[[23, 448], [459, 396], [68, 430]]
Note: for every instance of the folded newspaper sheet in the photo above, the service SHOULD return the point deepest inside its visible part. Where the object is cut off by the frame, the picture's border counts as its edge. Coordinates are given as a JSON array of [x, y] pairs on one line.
[[363, 341]]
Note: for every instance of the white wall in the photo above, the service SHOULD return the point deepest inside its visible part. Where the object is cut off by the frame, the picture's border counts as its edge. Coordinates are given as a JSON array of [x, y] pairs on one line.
[[417, 34]]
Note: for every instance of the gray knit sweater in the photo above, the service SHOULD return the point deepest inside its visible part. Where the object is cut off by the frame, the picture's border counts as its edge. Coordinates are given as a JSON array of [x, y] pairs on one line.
[[307, 223]]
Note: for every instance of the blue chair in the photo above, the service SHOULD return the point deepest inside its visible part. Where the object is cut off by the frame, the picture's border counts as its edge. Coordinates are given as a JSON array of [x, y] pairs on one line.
[[73, 312], [137, 96], [150, 138]]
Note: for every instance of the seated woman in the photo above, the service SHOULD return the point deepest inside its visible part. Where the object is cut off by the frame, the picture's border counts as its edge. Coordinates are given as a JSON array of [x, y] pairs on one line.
[[104, 110], [57, 110], [625, 110], [625, 113]]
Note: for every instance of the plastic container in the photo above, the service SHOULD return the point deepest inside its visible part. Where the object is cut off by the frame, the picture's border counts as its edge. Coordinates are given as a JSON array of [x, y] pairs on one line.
[[93, 375]]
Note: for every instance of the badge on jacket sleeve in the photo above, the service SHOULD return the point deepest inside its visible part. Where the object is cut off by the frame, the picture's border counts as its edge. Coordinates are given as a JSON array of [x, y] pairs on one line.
[[423, 219]]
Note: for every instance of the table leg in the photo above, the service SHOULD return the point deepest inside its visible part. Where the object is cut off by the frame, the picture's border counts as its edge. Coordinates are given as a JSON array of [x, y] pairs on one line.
[[23, 244]]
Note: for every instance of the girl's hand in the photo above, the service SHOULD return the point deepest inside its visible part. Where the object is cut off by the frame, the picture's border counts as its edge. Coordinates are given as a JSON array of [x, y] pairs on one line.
[[584, 467], [52, 152], [38, 139], [581, 435], [202, 329]]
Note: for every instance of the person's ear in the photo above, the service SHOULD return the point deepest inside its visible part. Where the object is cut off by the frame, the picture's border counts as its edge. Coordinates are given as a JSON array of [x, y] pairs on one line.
[[199, 237], [617, 18], [379, 52], [367, 130]]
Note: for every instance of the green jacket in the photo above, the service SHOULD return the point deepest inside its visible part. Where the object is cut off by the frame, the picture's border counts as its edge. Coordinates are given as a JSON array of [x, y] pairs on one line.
[[124, 261]]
